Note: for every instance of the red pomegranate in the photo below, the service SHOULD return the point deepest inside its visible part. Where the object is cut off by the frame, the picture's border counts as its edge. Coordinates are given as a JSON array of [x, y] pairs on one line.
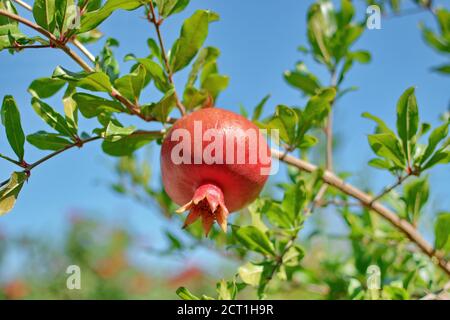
[[214, 162]]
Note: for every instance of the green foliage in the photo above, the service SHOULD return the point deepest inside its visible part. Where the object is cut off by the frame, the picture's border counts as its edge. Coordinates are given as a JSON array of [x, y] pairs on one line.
[[402, 152], [273, 255], [11, 120]]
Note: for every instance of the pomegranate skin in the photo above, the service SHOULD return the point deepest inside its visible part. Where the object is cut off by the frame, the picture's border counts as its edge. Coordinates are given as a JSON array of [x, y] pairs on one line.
[[239, 183]]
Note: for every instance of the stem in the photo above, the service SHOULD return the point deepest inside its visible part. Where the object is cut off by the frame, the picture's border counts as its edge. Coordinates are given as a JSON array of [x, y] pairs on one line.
[[17, 163], [33, 46], [402, 225], [151, 16], [24, 4], [392, 187]]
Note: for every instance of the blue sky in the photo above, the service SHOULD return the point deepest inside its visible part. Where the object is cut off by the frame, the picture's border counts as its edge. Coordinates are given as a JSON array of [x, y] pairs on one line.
[[258, 41]]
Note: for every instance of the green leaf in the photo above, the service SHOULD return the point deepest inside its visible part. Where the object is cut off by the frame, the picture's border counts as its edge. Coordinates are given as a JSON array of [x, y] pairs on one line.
[[193, 34], [52, 118], [132, 84], [10, 192], [445, 69], [106, 60], [387, 146], [193, 98], [161, 110], [285, 121], [440, 156], [438, 134], [382, 127], [254, 239], [215, 83], [113, 131], [48, 141], [361, 56], [380, 163], [442, 230], [157, 73], [126, 145], [71, 108], [45, 87], [259, 108], [44, 12], [302, 79], [293, 202], [9, 28], [169, 7], [92, 19], [66, 15], [11, 120], [205, 57], [95, 81], [416, 195], [91, 106], [407, 119], [185, 294]]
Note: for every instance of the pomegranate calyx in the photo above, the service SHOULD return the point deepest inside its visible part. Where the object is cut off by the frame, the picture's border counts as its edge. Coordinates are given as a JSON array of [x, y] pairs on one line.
[[207, 203]]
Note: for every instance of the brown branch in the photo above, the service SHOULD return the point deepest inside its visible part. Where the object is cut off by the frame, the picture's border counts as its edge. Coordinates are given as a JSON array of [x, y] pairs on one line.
[[151, 16], [74, 56], [31, 46], [402, 225]]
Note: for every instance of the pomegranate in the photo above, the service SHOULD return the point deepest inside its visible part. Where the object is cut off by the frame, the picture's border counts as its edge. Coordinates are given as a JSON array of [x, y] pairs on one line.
[[213, 162]]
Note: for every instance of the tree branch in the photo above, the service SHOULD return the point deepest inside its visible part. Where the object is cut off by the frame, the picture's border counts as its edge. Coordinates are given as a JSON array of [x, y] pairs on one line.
[[74, 56], [79, 143], [151, 16], [402, 225]]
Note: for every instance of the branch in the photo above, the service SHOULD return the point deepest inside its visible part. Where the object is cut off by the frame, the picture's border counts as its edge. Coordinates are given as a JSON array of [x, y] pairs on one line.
[[61, 45], [402, 225], [151, 16], [32, 46], [400, 180], [79, 143]]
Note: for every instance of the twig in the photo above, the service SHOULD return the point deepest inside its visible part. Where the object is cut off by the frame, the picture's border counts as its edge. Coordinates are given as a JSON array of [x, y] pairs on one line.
[[79, 143], [402, 225], [31, 46], [151, 16], [400, 180], [24, 4]]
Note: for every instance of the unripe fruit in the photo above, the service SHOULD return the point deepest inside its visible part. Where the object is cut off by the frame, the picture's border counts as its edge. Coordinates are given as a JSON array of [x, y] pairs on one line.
[[214, 162]]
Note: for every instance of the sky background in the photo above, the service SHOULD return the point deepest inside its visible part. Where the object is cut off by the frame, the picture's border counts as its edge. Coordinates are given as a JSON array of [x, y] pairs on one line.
[[258, 40]]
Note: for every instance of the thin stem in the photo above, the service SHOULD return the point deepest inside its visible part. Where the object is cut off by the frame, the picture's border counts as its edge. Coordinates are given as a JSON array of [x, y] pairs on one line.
[[388, 189], [24, 4], [83, 49], [402, 225], [151, 16], [17, 163], [32, 46]]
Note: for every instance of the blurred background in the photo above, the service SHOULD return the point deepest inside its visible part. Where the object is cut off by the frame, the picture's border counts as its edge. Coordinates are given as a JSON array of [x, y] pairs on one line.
[[83, 207]]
